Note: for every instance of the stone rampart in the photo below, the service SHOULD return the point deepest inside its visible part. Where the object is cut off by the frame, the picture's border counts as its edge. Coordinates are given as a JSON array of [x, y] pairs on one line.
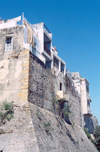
[[43, 86]]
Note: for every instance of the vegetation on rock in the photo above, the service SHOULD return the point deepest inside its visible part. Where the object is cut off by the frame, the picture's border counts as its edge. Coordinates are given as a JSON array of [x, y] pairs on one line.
[[6, 112], [63, 107], [97, 137], [47, 127], [95, 142]]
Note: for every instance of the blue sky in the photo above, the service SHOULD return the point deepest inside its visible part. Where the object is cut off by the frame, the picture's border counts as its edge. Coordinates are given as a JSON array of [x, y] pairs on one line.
[[75, 25]]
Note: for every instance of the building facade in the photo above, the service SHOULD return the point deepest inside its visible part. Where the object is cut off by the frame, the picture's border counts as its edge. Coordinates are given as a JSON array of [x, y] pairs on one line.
[[32, 70], [82, 86]]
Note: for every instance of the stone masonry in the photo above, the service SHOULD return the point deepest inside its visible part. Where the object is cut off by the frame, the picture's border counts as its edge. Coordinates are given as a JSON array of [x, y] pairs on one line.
[[43, 86]]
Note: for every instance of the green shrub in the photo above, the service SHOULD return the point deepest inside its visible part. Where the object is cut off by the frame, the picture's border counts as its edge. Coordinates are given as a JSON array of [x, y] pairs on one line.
[[2, 131], [6, 112], [87, 133], [89, 136], [97, 137], [66, 110], [47, 126], [38, 114], [55, 99]]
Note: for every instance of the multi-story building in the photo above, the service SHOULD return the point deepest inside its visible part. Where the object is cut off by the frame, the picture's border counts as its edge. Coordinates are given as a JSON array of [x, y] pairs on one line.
[[17, 35], [82, 86], [38, 39], [43, 47]]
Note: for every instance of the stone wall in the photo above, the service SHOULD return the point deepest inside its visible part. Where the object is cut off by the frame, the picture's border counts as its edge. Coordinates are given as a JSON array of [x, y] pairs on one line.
[[90, 123], [72, 96], [23, 77], [75, 103], [41, 84]]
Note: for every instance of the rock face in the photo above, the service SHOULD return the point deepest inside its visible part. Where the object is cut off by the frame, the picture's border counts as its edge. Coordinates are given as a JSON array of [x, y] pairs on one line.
[[38, 130]]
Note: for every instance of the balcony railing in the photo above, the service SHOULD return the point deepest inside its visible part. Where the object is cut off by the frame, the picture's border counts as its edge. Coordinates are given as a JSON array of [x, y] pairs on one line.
[[89, 98], [47, 32], [46, 29], [47, 50]]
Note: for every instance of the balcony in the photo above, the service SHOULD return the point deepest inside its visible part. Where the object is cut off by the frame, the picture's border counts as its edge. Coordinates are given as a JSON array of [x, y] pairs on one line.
[[34, 51], [88, 97], [47, 50], [62, 95], [47, 32], [54, 50], [89, 113], [47, 54]]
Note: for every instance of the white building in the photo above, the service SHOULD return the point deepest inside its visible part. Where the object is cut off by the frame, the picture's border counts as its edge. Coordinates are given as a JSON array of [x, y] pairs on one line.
[[38, 39], [52, 60], [82, 86]]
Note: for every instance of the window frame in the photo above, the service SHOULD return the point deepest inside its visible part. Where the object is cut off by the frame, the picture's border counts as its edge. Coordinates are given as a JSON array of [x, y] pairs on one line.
[[9, 44], [60, 86]]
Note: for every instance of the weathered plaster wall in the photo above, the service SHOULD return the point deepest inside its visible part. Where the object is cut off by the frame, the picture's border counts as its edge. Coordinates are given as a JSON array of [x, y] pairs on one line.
[[14, 73], [14, 66], [17, 33], [18, 135]]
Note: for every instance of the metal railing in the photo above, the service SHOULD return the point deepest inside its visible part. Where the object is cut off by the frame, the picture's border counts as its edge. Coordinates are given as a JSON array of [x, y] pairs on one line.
[[46, 29], [88, 97]]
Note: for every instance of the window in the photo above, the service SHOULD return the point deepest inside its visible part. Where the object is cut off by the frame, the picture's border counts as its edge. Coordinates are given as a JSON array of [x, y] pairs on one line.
[[56, 62], [60, 86], [34, 45], [62, 67], [8, 44]]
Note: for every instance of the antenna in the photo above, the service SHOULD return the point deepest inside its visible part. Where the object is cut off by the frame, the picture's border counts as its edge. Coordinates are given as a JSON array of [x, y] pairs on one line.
[[22, 18]]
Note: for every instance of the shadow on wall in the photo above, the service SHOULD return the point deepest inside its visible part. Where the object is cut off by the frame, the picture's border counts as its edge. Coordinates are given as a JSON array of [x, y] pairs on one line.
[[89, 123], [41, 84]]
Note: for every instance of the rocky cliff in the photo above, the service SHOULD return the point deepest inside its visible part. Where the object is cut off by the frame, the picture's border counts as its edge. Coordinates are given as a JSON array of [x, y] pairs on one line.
[[38, 130]]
